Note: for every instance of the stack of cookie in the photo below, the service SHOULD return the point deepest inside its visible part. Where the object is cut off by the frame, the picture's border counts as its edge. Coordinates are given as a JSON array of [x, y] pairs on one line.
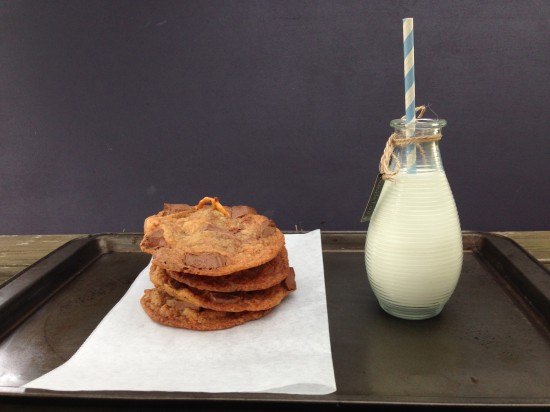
[[214, 267]]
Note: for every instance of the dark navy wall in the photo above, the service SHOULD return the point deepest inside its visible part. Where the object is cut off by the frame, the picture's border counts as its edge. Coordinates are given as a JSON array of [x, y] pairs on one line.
[[109, 108]]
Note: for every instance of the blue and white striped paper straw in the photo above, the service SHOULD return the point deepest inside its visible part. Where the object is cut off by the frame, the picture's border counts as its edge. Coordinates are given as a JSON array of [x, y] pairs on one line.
[[408, 54]]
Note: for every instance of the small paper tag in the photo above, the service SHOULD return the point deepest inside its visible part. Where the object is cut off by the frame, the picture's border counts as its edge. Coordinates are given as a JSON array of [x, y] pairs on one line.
[[373, 199]]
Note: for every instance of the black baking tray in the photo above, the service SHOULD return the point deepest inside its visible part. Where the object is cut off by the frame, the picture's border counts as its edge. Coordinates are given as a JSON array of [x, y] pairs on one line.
[[489, 347]]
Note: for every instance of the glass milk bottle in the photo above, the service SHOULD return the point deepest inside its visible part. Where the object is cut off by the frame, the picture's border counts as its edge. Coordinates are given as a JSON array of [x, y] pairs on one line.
[[413, 250]]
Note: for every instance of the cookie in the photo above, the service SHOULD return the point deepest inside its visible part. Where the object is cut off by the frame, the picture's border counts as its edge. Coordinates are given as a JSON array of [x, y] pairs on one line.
[[261, 277], [164, 309], [221, 301], [153, 234], [211, 241]]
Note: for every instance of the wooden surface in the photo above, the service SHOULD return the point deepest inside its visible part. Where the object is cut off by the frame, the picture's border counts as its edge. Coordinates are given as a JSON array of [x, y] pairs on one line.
[[19, 251]]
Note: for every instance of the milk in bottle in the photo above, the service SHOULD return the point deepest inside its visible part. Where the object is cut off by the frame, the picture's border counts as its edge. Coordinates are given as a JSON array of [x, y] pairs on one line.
[[413, 250]]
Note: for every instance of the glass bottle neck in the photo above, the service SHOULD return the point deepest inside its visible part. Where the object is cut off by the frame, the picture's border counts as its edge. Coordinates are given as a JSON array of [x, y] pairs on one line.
[[420, 157]]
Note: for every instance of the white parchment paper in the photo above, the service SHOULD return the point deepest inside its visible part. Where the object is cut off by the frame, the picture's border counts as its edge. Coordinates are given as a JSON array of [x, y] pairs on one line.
[[288, 351]]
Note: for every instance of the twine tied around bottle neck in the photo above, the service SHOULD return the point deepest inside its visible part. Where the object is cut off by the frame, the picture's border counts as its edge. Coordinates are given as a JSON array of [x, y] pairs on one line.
[[395, 141]]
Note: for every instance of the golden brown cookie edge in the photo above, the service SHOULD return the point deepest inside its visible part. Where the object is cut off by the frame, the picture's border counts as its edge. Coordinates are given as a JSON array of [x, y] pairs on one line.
[[184, 323], [238, 282]]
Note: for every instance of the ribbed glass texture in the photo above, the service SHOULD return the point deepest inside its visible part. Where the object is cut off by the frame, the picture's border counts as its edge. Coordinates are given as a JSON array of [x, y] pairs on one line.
[[413, 250]]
